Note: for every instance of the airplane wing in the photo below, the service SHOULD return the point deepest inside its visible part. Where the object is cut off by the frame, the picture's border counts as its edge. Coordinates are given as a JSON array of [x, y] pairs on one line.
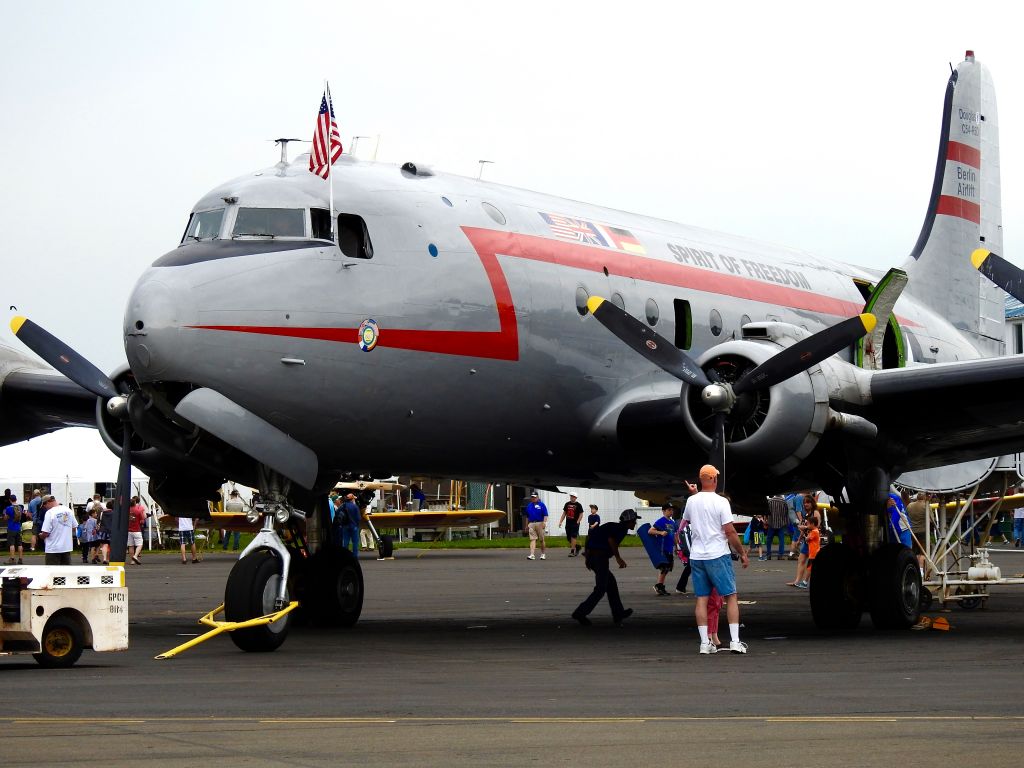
[[950, 412], [35, 400]]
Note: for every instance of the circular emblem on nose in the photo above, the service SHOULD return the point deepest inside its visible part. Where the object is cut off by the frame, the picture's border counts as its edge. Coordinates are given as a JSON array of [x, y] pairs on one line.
[[651, 344], [369, 332]]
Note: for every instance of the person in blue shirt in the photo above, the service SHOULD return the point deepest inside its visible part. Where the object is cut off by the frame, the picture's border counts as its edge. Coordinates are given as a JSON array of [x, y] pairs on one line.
[[35, 515], [593, 519], [601, 546], [353, 517], [537, 522], [665, 527], [899, 525], [13, 515], [418, 496]]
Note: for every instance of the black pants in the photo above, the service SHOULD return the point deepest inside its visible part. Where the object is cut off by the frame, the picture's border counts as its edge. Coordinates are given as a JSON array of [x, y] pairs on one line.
[[684, 578], [604, 583]]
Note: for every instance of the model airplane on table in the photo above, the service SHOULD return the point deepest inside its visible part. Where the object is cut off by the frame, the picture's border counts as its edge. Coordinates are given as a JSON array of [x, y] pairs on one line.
[[447, 326]]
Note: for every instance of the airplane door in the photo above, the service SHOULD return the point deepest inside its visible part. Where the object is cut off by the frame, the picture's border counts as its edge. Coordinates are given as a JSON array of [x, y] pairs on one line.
[[884, 347]]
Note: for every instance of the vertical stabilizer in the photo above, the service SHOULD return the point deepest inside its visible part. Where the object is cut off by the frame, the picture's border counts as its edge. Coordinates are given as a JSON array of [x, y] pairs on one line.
[[964, 212]]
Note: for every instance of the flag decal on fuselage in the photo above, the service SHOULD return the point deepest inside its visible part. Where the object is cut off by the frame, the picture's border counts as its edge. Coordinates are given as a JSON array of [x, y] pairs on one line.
[[586, 232]]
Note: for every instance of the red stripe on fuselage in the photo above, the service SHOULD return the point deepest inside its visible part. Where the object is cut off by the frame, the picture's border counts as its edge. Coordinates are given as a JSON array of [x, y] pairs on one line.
[[962, 209], [594, 259], [503, 344], [963, 153]]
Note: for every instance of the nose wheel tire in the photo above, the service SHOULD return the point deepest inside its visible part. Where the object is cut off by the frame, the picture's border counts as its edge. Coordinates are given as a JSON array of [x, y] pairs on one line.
[[251, 591], [61, 644]]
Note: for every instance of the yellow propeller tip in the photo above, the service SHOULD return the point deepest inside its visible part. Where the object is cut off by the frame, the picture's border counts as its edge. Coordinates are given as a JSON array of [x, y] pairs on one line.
[[16, 323], [869, 321], [593, 303], [979, 256]]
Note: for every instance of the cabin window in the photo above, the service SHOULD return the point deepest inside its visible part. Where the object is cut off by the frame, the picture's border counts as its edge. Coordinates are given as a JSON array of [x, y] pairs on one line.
[[353, 237], [618, 301], [684, 323], [652, 312], [320, 219], [582, 294], [744, 320], [204, 225], [494, 213], [715, 323], [270, 222]]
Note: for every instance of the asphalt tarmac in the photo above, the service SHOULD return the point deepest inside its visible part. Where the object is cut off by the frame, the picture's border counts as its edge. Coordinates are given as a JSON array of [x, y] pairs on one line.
[[469, 657]]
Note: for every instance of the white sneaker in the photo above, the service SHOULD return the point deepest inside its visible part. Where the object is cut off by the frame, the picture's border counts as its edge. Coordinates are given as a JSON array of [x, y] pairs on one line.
[[530, 557], [543, 557], [737, 647], [706, 648]]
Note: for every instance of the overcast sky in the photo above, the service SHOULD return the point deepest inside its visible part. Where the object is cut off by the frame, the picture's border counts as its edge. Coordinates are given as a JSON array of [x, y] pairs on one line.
[[806, 124]]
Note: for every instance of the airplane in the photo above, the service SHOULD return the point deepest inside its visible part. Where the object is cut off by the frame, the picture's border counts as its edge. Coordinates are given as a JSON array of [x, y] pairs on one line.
[[435, 324]]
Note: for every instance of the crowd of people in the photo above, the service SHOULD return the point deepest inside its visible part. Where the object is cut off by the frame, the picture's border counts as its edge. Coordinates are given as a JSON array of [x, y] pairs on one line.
[[58, 530]]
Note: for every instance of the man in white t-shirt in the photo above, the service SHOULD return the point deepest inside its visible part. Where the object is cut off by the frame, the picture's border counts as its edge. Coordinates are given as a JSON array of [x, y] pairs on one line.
[[711, 536], [57, 532], [187, 535]]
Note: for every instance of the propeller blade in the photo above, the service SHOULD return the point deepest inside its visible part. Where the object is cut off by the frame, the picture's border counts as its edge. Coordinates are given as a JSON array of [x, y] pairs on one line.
[[716, 456], [119, 526], [646, 342], [805, 353], [63, 358], [1001, 272]]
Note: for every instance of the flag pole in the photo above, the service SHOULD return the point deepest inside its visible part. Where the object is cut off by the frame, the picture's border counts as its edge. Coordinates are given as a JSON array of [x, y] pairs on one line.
[[330, 165]]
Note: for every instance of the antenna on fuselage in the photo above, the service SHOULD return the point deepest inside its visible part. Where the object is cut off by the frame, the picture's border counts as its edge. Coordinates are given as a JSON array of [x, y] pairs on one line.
[[284, 148]]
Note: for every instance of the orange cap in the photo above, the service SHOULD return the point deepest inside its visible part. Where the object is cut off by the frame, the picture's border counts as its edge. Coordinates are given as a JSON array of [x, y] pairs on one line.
[[709, 471]]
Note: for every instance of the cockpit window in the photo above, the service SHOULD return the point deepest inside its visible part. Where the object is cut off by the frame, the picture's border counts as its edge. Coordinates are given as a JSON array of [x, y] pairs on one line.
[[204, 225], [270, 222], [321, 221], [353, 237]]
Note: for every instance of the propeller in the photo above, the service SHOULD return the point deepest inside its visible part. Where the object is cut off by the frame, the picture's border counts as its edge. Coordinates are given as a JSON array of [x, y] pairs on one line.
[[63, 358], [721, 396], [89, 377], [1007, 276], [647, 342]]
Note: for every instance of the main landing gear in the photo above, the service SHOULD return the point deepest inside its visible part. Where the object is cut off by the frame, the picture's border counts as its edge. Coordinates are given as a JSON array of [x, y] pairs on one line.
[[864, 573]]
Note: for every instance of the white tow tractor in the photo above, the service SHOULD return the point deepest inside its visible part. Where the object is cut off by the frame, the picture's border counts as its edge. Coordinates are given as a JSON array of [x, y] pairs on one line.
[[55, 612]]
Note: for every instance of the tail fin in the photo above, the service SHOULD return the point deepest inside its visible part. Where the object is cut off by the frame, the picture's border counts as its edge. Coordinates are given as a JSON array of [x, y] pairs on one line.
[[964, 212]]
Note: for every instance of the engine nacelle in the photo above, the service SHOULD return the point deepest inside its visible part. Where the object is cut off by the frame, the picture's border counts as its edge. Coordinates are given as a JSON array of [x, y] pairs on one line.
[[772, 429]]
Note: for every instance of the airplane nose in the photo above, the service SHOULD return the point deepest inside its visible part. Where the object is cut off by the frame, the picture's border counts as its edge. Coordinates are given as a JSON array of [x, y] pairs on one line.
[[152, 321]]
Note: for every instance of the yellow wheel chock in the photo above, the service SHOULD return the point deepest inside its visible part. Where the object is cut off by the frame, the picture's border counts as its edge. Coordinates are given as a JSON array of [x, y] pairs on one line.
[[227, 626]]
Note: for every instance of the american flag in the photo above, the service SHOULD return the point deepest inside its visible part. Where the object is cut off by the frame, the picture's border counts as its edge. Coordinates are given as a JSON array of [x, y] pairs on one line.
[[326, 130], [575, 230]]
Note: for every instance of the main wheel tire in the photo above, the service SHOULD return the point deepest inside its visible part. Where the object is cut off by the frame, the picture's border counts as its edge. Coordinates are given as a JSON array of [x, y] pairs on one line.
[[337, 588], [895, 588], [61, 644], [386, 548], [834, 588], [250, 592]]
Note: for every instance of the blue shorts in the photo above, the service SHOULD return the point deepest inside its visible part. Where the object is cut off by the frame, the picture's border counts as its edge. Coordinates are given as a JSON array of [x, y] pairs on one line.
[[803, 548], [715, 573]]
